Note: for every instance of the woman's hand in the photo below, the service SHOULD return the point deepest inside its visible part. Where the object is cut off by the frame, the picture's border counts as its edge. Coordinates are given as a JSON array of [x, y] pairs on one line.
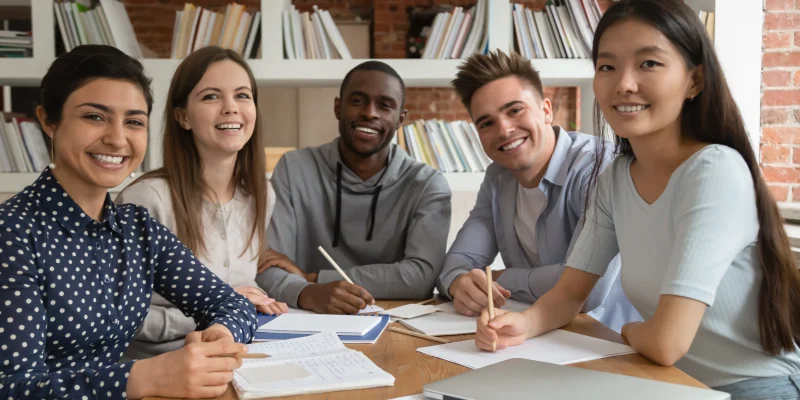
[[214, 333], [506, 329], [201, 369], [274, 259], [264, 304]]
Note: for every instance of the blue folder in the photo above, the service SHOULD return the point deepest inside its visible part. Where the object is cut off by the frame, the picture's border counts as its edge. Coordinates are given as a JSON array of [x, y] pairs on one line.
[[369, 337]]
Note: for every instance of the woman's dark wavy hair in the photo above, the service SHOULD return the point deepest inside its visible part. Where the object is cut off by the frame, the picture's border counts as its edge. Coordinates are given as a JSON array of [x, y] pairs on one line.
[[713, 117]]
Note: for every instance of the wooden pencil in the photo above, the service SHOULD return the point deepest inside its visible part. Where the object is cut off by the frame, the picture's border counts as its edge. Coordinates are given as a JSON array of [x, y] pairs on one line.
[[490, 291], [417, 334]]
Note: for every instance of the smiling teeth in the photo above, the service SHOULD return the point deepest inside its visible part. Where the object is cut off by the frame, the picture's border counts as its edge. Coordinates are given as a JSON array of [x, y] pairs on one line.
[[627, 109], [367, 130], [513, 145], [229, 126], [107, 159]]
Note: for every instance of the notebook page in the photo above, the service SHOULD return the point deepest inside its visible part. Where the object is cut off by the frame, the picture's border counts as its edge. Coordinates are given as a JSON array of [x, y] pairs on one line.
[[556, 347], [344, 371], [308, 346]]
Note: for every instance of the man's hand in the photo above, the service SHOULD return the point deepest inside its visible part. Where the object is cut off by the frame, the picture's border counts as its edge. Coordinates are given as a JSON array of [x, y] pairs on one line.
[[338, 297], [469, 293], [274, 259]]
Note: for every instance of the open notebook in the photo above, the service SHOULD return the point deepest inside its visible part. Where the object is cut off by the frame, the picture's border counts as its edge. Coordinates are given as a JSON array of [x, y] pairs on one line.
[[312, 364]]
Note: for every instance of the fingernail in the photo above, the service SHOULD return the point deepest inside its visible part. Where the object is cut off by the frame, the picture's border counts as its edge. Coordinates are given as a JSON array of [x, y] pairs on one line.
[[268, 300]]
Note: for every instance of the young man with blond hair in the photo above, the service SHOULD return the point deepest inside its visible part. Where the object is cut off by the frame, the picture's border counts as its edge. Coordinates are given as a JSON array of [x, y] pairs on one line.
[[532, 200]]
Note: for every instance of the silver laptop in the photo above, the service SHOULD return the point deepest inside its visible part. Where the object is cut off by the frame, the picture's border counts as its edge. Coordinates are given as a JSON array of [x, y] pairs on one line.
[[526, 379]]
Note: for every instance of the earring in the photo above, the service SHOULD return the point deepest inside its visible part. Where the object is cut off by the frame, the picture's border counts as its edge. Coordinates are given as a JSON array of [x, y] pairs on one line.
[[133, 175], [52, 152]]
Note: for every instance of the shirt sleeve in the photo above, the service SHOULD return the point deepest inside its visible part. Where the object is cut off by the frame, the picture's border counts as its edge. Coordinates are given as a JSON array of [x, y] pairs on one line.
[[281, 237], [715, 218], [195, 290], [24, 374], [597, 242], [475, 245], [426, 241]]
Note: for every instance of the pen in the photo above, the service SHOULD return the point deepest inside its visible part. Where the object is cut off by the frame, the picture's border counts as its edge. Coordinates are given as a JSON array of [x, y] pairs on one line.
[[490, 290]]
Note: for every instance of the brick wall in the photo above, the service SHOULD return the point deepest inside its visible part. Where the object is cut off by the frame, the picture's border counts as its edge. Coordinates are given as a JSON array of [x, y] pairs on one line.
[[780, 100]]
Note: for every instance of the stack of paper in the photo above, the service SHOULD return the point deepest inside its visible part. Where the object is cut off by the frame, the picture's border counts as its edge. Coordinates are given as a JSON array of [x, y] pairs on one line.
[[556, 347], [314, 323], [313, 364], [300, 323], [449, 322]]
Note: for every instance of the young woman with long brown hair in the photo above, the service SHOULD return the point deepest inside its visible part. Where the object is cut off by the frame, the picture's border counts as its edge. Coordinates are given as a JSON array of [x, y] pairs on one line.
[[212, 190], [705, 258]]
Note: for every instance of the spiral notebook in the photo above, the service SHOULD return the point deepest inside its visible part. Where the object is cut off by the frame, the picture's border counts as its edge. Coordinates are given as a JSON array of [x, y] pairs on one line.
[[313, 364], [371, 336]]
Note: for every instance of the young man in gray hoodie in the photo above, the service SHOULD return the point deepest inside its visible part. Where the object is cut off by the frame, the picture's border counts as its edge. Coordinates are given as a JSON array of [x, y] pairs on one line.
[[382, 216]]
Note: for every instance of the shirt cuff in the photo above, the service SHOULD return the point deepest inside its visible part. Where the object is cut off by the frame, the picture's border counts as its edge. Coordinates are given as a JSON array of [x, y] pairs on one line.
[[328, 275], [447, 280], [290, 292]]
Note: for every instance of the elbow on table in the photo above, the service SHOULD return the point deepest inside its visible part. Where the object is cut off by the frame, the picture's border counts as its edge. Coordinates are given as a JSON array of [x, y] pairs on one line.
[[667, 352]]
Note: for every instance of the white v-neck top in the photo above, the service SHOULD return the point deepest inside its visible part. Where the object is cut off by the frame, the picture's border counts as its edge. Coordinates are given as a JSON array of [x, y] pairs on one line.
[[697, 240]]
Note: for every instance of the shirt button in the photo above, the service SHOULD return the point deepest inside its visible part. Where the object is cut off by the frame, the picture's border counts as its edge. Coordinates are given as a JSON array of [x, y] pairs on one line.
[[222, 235], [106, 280], [226, 263], [115, 321]]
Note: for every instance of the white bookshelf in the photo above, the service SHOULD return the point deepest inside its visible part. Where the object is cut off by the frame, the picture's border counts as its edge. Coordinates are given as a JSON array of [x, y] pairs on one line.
[[738, 42]]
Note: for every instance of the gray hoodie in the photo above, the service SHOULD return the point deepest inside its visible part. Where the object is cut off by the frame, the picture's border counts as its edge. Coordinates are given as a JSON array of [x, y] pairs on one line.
[[389, 233]]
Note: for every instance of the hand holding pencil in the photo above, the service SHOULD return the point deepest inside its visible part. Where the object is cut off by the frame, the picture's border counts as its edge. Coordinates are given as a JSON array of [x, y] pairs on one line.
[[497, 328], [336, 297]]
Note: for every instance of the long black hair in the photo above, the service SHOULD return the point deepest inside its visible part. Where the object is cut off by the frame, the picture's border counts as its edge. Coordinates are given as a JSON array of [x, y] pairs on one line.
[[713, 117]]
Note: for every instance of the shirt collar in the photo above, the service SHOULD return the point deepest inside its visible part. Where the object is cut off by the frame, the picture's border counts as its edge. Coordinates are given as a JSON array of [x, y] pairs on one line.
[[558, 168], [51, 196]]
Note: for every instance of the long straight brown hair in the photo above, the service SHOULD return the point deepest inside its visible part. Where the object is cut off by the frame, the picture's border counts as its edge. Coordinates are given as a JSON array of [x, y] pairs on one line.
[[713, 117], [183, 168]]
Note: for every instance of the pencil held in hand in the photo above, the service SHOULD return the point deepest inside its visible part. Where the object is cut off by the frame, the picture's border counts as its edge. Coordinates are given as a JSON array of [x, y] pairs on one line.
[[489, 290], [245, 355]]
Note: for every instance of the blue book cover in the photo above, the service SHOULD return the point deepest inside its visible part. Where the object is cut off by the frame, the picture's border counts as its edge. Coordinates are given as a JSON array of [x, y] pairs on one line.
[[369, 337]]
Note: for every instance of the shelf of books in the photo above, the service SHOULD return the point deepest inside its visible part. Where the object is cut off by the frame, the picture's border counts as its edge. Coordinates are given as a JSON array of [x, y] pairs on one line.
[[287, 47]]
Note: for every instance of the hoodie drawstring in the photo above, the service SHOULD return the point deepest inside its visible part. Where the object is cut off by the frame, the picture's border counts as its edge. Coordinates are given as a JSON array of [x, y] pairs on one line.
[[372, 211], [338, 222]]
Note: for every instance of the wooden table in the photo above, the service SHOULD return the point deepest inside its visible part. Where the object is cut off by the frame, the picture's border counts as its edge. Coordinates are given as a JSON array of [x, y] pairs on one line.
[[396, 354]]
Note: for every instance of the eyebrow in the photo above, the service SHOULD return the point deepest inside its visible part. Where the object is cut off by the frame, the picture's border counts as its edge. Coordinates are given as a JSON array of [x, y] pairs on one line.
[[380, 97], [503, 107], [108, 109], [220, 90], [643, 50]]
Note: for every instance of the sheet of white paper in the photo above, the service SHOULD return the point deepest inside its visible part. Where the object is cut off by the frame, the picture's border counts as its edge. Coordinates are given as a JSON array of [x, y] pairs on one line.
[[449, 322], [371, 310], [313, 323], [307, 346], [418, 396], [411, 311], [556, 347], [273, 373]]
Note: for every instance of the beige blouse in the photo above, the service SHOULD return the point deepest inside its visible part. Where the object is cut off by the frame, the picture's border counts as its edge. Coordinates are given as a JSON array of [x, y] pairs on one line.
[[226, 228]]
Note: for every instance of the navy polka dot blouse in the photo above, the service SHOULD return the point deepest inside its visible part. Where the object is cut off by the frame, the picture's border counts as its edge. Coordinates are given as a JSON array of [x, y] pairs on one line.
[[74, 290]]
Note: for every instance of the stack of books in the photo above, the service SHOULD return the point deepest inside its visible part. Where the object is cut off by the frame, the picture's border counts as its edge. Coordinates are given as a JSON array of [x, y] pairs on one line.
[[107, 23], [447, 146], [458, 34], [312, 36], [22, 145], [562, 29], [235, 29], [15, 44]]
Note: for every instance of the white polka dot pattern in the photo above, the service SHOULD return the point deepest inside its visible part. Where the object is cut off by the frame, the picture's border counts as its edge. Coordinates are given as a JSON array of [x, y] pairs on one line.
[[74, 290]]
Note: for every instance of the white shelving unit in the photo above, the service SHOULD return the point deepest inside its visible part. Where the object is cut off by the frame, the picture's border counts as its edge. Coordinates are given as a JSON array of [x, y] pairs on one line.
[[738, 42]]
